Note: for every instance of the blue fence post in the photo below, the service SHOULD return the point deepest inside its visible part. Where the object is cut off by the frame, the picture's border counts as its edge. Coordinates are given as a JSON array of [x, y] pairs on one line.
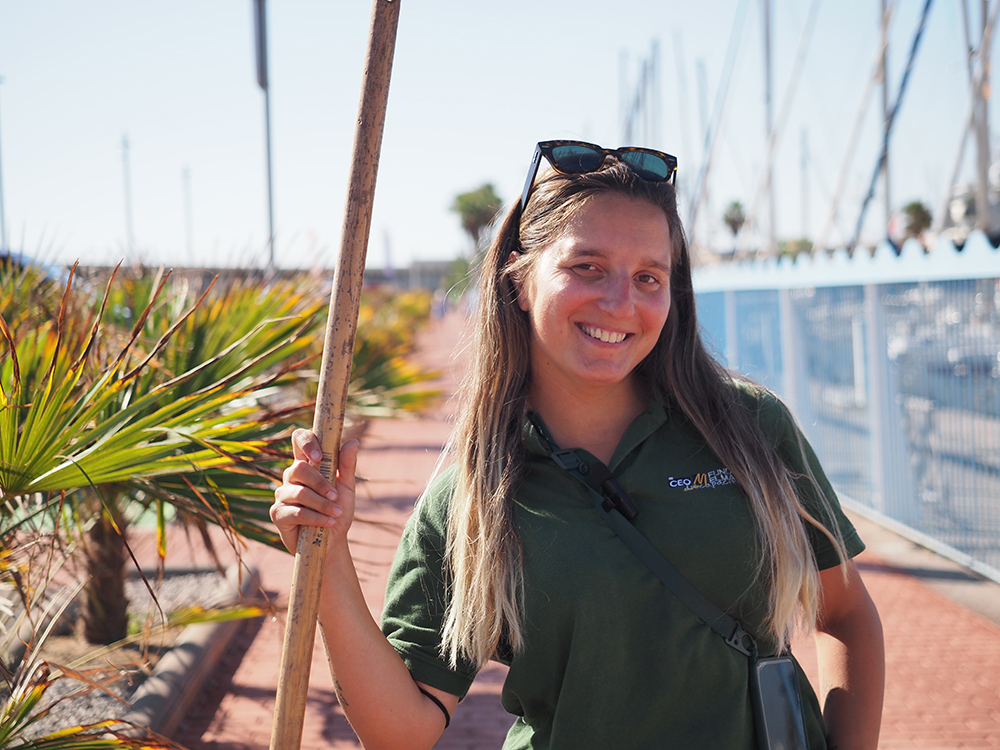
[[794, 367], [892, 485], [732, 331]]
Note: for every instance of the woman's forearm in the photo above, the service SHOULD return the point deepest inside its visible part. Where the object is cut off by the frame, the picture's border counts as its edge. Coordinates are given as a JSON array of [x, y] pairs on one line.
[[374, 687], [852, 678]]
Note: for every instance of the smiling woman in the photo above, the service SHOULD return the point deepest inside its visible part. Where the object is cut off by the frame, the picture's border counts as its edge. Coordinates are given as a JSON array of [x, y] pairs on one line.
[[587, 340], [597, 297]]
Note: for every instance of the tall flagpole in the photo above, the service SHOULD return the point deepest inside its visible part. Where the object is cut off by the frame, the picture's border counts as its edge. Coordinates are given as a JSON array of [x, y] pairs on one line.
[[127, 184], [260, 29], [4, 247]]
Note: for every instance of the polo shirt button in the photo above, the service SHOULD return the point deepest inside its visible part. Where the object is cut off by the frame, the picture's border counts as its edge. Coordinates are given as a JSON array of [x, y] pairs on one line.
[[584, 468]]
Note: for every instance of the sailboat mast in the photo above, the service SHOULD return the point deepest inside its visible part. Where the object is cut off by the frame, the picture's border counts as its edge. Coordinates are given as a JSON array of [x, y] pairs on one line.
[[884, 74], [772, 245], [984, 213]]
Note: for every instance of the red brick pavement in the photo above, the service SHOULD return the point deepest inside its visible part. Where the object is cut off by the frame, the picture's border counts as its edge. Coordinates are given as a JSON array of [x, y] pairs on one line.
[[942, 665], [943, 661]]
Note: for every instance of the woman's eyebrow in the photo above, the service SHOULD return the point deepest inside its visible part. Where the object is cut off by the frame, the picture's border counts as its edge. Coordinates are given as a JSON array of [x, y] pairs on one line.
[[583, 252], [657, 264]]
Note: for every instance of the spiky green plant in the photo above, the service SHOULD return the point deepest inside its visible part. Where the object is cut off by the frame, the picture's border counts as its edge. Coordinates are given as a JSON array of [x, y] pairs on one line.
[[100, 426], [189, 407], [26, 291], [383, 381]]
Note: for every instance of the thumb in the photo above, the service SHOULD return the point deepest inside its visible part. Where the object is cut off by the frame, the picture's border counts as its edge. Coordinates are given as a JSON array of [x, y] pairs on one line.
[[348, 463]]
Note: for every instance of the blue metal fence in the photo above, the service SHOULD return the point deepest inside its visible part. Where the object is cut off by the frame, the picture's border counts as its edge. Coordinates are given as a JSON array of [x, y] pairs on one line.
[[892, 367]]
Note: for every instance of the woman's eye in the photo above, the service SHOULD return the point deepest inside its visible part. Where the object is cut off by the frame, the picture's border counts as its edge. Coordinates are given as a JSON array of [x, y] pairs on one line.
[[585, 268], [648, 279]]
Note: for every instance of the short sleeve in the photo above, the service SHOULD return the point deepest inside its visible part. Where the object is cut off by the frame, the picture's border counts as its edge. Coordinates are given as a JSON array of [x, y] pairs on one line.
[[416, 594], [813, 486]]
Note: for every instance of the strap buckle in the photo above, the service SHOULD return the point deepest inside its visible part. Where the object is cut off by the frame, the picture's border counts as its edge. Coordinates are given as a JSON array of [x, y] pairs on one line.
[[739, 639], [566, 459], [615, 497]]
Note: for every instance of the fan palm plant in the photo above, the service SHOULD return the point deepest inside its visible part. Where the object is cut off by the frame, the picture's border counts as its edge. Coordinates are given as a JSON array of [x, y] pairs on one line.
[[146, 398], [26, 291], [383, 381], [184, 408], [100, 427]]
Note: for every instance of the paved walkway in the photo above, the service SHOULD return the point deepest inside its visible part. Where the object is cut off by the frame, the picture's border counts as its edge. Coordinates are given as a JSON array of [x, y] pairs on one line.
[[943, 657]]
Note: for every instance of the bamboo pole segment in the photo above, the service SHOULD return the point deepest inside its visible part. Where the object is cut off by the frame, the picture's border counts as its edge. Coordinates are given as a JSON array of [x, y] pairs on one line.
[[335, 372]]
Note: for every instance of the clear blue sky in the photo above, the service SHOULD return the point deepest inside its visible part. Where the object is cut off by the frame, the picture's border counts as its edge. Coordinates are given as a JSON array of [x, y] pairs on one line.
[[475, 85]]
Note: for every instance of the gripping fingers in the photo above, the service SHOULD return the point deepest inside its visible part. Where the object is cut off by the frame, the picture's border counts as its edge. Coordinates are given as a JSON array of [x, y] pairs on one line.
[[306, 447], [296, 506], [295, 495], [304, 474], [306, 498]]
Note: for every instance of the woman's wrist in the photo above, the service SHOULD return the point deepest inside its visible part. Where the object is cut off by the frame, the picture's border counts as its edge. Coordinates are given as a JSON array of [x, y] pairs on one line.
[[340, 576]]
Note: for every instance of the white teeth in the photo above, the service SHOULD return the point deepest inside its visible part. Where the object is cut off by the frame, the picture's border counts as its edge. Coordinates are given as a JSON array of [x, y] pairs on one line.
[[602, 335]]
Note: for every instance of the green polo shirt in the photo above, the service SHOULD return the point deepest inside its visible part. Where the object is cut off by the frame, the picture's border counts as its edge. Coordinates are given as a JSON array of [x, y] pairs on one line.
[[612, 660]]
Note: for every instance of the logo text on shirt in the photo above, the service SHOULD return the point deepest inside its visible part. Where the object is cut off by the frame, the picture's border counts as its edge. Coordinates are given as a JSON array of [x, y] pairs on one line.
[[704, 480]]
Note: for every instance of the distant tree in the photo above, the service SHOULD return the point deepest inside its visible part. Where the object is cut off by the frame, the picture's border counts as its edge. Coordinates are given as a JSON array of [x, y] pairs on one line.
[[734, 217], [918, 218], [457, 280], [794, 247], [476, 209]]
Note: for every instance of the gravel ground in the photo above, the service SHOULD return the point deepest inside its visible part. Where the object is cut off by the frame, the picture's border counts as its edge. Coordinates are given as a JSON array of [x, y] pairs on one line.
[[183, 590]]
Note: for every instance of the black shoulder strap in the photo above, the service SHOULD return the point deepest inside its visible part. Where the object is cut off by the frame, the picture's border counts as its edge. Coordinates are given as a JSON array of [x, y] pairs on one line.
[[687, 593]]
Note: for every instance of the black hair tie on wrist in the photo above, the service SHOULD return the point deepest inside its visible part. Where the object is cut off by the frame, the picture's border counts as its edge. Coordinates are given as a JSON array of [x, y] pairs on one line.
[[439, 704]]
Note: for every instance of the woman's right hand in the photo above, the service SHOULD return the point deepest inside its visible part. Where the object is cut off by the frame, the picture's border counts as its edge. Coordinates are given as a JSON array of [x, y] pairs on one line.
[[305, 498], [379, 695]]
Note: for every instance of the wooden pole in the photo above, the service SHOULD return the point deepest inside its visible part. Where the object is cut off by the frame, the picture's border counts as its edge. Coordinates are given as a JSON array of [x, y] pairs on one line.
[[328, 423]]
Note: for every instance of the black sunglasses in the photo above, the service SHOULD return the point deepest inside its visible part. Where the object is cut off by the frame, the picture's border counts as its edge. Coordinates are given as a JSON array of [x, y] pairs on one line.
[[578, 157]]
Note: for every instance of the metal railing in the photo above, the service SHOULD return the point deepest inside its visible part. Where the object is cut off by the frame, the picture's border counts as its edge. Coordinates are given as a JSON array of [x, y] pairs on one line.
[[892, 367]]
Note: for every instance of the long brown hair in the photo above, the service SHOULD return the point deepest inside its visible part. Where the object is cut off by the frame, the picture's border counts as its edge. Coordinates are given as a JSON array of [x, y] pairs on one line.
[[484, 552]]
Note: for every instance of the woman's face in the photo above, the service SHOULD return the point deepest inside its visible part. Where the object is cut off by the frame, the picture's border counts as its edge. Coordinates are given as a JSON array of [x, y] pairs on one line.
[[598, 296]]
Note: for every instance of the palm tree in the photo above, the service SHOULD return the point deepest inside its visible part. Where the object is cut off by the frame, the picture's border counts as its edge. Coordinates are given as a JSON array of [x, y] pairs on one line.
[[186, 409], [476, 209], [84, 420], [734, 217], [918, 218]]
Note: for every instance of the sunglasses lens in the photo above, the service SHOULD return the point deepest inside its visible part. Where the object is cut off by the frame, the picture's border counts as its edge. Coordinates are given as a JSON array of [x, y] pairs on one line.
[[647, 166], [573, 159]]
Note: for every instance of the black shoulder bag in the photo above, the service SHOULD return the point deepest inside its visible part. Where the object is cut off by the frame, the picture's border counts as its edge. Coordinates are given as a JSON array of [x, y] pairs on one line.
[[774, 685]]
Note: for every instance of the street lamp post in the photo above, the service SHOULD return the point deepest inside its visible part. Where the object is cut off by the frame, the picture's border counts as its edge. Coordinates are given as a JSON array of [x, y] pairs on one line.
[[4, 247], [260, 27], [127, 184]]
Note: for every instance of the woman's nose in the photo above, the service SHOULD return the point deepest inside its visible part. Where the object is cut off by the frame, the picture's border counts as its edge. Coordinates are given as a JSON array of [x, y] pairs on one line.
[[617, 299]]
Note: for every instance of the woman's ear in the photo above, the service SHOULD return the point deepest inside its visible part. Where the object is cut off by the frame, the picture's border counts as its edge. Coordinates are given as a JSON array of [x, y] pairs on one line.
[[517, 279]]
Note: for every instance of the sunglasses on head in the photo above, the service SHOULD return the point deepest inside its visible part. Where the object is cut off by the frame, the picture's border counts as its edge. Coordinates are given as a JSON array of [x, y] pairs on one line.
[[579, 157]]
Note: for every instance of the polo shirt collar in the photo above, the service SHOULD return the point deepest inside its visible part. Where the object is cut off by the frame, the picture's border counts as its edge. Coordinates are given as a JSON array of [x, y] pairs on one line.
[[644, 425], [641, 428], [535, 442]]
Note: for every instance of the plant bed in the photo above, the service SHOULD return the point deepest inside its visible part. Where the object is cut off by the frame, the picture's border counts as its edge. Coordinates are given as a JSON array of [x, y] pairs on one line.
[[155, 678]]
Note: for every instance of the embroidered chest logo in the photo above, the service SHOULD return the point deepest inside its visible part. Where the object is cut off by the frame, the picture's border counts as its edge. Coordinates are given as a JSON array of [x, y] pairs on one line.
[[705, 480]]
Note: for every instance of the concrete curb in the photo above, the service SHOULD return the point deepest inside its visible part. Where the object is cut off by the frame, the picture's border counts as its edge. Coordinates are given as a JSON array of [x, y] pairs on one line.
[[162, 701]]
